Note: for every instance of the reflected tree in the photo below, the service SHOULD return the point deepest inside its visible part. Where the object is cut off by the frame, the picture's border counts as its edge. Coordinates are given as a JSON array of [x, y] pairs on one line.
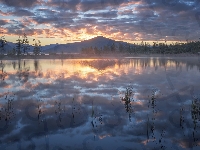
[[59, 111], [195, 114], [23, 72], [7, 110], [151, 124], [127, 99], [96, 119], [14, 65], [3, 74], [36, 65]]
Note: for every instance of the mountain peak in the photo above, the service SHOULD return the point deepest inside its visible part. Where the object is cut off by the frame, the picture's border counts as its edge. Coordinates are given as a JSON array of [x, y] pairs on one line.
[[100, 38]]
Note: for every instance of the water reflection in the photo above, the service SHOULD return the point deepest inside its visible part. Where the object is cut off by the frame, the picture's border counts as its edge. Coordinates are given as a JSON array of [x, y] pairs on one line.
[[3, 73], [6, 111], [127, 99], [100, 65], [195, 113], [141, 103]]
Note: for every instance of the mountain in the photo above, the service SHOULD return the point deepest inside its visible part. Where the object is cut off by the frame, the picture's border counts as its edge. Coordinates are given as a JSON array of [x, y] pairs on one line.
[[98, 42], [76, 47]]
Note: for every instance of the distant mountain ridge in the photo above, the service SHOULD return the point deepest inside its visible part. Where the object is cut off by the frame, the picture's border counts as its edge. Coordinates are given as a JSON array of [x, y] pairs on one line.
[[98, 42], [76, 47], [101, 45]]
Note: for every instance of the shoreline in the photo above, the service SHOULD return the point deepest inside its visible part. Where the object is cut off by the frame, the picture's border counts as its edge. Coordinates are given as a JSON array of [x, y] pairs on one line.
[[105, 56]]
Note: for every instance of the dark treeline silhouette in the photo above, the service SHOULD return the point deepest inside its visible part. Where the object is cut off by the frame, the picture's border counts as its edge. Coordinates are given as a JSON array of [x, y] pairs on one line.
[[145, 48], [2, 44], [22, 46]]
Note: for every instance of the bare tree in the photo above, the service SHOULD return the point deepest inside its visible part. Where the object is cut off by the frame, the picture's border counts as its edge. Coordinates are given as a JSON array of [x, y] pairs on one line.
[[25, 43]]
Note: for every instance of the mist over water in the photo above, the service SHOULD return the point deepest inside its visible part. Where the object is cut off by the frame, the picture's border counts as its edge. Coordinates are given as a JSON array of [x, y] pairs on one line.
[[100, 104]]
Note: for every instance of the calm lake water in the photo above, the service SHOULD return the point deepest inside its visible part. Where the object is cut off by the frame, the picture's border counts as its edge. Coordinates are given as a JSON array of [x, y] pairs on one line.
[[100, 104]]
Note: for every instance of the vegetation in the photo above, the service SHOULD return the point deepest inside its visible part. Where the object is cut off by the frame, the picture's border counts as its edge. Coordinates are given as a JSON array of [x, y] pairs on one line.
[[127, 99], [2, 44], [22, 48], [145, 48], [37, 47], [26, 45], [19, 46]]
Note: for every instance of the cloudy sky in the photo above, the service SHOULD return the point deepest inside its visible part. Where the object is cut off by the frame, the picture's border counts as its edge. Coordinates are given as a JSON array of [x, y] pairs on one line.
[[65, 21]]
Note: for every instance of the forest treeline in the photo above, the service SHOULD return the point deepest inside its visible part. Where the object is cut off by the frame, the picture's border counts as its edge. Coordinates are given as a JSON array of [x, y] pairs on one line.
[[22, 47], [145, 48]]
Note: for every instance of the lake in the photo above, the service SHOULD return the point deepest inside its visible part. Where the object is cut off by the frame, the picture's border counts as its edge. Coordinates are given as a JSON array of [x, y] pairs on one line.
[[100, 104]]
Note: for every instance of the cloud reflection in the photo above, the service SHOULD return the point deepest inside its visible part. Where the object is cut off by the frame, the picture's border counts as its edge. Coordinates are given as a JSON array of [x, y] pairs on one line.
[[79, 100]]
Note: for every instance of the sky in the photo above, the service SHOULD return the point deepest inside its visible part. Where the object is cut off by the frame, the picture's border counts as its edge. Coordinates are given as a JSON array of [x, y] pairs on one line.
[[68, 21]]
